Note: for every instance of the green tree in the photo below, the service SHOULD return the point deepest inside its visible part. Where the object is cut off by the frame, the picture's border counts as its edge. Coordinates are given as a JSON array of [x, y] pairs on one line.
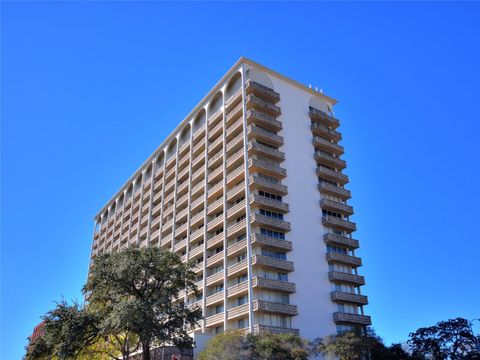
[[281, 347], [451, 339], [67, 331], [231, 345], [133, 291]]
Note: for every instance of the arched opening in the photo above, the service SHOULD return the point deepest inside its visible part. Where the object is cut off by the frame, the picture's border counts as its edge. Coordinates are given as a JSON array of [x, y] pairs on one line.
[[200, 119], [159, 162], [259, 77], [215, 104], [185, 135], [138, 183], [120, 201], [129, 191], [234, 84], [148, 173], [172, 148]]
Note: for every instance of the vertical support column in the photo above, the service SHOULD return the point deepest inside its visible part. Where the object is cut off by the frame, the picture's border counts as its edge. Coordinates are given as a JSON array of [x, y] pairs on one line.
[[189, 198], [152, 179], [163, 196], [247, 206], [114, 223], [140, 207], [123, 215], [131, 212], [225, 221], [174, 211], [205, 218]]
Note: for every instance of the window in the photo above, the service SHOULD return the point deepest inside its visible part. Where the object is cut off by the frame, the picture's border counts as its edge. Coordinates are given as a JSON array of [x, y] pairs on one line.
[[271, 214], [241, 218], [219, 249], [241, 257], [239, 200], [241, 237], [242, 300], [218, 288], [327, 181], [243, 323], [268, 178], [218, 309], [331, 213], [219, 231], [272, 233], [336, 249], [217, 269], [242, 278], [270, 195], [274, 254]]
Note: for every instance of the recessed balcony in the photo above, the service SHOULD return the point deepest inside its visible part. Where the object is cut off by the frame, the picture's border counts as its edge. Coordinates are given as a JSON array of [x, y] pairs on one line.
[[334, 257], [339, 240], [271, 284], [337, 276], [341, 317], [237, 268], [339, 224], [215, 298], [238, 289], [214, 320], [323, 118], [215, 206], [215, 241], [215, 279], [216, 259], [253, 101], [236, 175], [237, 312], [236, 210], [263, 91], [340, 296], [265, 120], [236, 228], [234, 129], [234, 113], [336, 206], [215, 160]]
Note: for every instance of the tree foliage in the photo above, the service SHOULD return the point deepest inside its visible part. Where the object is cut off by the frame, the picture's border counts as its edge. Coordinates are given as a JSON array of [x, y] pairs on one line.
[[132, 292], [451, 339], [236, 346]]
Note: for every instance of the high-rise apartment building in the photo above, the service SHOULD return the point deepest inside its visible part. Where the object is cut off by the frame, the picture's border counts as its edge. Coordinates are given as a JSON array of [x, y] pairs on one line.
[[250, 187]]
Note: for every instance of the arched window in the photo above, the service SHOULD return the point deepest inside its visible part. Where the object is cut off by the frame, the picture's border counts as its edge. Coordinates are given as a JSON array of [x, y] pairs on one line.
[[215, 104], [234, 84], [185, 135], [200, 119], [172, 148]]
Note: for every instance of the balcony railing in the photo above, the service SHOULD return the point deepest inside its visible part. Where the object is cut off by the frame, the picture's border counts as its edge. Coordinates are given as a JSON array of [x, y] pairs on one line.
[[324, 118], [261, 149], [260, 329], [329, 160], [253, 87], [319, 129], [271, 262], [269, 203], [332, 175], [271, 242], [215, 298], [274, 307], [266, 167], [238, 289], [272, 284], [264, 184], [266, 106], [346, 277], [265, 120], [324, 144], [336, 206], [214, 319], [262, 134], [326, 188], [334, 239], [339, 224], [344, 259], [237, 311], [270, 222], [340, 317], [349, 297]]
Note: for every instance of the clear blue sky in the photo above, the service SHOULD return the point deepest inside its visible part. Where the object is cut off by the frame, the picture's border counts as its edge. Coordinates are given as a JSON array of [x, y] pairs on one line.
[[89, 90]]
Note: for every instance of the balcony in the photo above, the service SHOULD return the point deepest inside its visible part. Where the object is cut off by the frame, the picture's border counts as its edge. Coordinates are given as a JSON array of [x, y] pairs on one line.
[[237, 268], [340, 317], [238, 289], [253, 101], [270, 222], [329, 189], [267, 121], [215, 298], [236, 229], [195, 251], [198, 133], [340, 224], [271, 242], [234, 129], [336, 206], [349, 297], [216, 278], [236, 210], [215, 241], [337, 276], [255, 132], [326, 145], [236, 175], [268, 203], [216, 145], [215, 206], [332, 175], [271, 284], [344, 259], [197, 234], [215, 160], [215, 223], [323, 118], [334, 239], [232, 100], [235, 144], [197, 188], [215, 175], [216, 190], [214, 320], [234, 159], [237, 248], [180, 245], [238, 311], [329, 160], [274, 307], [271, 262], [261, 329], [264, 184], [262, 150], [263, 91], [237, 191], [216, 259], [324, 131], [216, 131], [257, 165]]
